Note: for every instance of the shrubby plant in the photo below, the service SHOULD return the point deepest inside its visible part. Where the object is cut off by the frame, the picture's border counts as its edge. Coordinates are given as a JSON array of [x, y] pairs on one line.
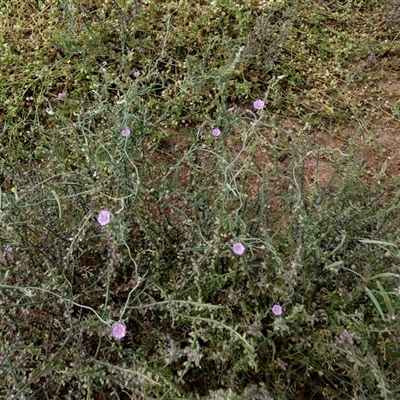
[[164, 233]]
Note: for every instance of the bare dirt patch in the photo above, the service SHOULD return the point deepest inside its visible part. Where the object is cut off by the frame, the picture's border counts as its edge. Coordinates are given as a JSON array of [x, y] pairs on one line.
[[391, 85]]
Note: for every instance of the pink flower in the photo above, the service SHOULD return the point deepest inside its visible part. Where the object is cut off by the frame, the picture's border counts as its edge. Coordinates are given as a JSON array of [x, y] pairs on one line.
[[118, 331], [231, 109], [277, 310], [238, 248], [104, 217], [216, 132], [126, 132], [258, 104], [136, 74], [61, 96]]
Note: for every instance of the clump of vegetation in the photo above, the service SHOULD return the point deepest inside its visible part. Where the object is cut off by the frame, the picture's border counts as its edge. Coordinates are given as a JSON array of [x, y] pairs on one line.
[[197, 200]]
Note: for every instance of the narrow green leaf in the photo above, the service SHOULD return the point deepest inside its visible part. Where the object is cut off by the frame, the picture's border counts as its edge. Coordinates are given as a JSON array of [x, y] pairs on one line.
[[376, 303], [55, 195], [386, 299], [378, 242], [333, 265], [385, 275]]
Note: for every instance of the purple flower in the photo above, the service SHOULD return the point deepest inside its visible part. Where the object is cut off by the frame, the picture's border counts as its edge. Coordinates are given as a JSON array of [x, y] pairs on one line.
[[238, 248], [231, 109], [398, 289], [9, 249], [126, 132], [277, 310], [104, 217], [346, 338], [258, 104], [118, 331], [216, 132], [136, 74], [61, 96]]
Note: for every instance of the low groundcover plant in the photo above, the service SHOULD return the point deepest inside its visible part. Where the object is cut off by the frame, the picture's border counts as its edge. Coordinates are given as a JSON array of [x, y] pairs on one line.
[[197, 202]]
